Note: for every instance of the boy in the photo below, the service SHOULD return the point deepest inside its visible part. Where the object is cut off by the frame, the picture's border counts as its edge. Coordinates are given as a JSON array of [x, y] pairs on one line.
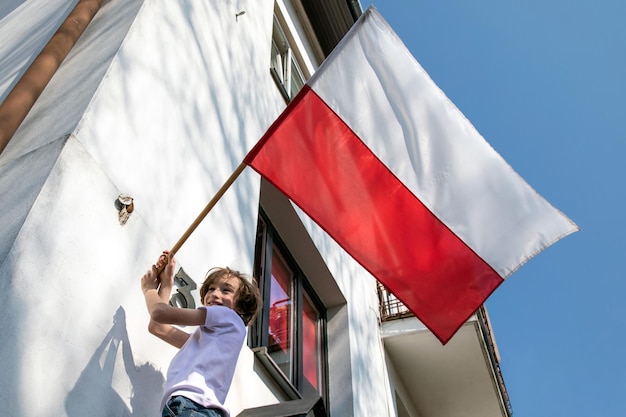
[[200, 374]]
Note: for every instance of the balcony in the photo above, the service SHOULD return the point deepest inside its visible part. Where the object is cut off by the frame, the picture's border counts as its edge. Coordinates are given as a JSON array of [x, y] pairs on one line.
[[461, 378]]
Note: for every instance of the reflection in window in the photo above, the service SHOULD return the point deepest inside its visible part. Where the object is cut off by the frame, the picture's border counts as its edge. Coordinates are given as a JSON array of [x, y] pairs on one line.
[[310, 344], [280, 309]]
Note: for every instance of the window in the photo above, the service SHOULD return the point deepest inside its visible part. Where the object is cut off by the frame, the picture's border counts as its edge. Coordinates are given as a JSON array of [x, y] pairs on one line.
[[292, 322], [320, 348], [284, 65]]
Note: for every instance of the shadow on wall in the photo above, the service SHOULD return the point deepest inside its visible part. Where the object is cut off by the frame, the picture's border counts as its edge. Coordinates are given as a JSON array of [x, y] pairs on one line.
[[94, 395]]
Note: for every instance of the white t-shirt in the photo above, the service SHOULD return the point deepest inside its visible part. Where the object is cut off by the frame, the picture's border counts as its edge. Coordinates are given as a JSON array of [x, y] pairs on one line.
[[203, 368]]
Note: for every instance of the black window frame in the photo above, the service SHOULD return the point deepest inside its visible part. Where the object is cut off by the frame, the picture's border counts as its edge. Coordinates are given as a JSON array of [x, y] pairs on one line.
[[267, 238]]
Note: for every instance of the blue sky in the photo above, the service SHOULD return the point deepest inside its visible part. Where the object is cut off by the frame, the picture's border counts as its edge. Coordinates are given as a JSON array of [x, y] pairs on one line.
[[545, 84]]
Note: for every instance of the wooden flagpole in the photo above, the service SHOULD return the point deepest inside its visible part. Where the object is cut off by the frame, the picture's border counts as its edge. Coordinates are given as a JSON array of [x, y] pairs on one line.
[[204, 212]]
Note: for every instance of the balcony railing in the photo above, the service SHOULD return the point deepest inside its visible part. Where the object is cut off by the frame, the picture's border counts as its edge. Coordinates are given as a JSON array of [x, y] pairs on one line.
[[390, 307]]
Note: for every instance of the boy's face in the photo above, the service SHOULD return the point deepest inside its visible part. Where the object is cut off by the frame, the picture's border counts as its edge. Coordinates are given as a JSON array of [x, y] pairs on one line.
[[223, 291]]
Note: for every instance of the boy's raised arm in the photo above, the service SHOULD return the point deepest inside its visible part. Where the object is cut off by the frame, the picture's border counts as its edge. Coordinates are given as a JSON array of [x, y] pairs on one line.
[[157, 289]]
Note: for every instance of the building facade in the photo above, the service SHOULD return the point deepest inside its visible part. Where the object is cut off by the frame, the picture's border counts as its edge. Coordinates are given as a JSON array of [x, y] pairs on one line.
[[152, 109]]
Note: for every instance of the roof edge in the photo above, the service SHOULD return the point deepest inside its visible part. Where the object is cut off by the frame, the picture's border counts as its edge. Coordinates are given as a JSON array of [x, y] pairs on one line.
[[27, 90]]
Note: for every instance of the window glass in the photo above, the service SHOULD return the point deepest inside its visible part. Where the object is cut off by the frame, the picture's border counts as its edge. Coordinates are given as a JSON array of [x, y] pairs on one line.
[[297, 79], [280, 339], [310, 344], [276, 62]]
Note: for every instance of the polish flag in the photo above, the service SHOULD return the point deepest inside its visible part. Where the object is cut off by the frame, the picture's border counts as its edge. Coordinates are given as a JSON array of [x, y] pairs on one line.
[[377, 155]]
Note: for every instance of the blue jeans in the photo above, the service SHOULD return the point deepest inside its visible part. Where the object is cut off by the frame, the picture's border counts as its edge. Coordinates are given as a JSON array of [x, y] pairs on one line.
[[183, 407]]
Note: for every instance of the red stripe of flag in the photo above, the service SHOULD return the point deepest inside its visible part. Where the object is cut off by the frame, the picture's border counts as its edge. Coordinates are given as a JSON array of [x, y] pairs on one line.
[[314, 158]]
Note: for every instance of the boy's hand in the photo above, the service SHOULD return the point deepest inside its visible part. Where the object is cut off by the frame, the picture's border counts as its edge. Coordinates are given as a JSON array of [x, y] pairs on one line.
[[166, 264], [158, 281], [153, 278], [149, 280]]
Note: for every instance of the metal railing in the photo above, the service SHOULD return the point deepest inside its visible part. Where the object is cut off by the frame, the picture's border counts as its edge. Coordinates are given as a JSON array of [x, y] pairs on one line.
[[390, 307]]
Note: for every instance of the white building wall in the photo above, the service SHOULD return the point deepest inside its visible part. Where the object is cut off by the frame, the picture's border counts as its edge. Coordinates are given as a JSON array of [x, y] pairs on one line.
[[162, 106]]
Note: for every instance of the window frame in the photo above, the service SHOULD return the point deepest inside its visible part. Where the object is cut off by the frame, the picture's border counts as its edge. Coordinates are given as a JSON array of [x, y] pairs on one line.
[[290, 59], [267, 240]]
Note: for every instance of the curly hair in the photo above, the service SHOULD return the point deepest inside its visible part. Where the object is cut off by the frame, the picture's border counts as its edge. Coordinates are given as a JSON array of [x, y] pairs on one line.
[[248, 300]]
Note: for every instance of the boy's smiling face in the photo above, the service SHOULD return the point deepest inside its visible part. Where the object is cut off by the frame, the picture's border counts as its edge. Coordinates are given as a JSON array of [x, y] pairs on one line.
[[223, 291]]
